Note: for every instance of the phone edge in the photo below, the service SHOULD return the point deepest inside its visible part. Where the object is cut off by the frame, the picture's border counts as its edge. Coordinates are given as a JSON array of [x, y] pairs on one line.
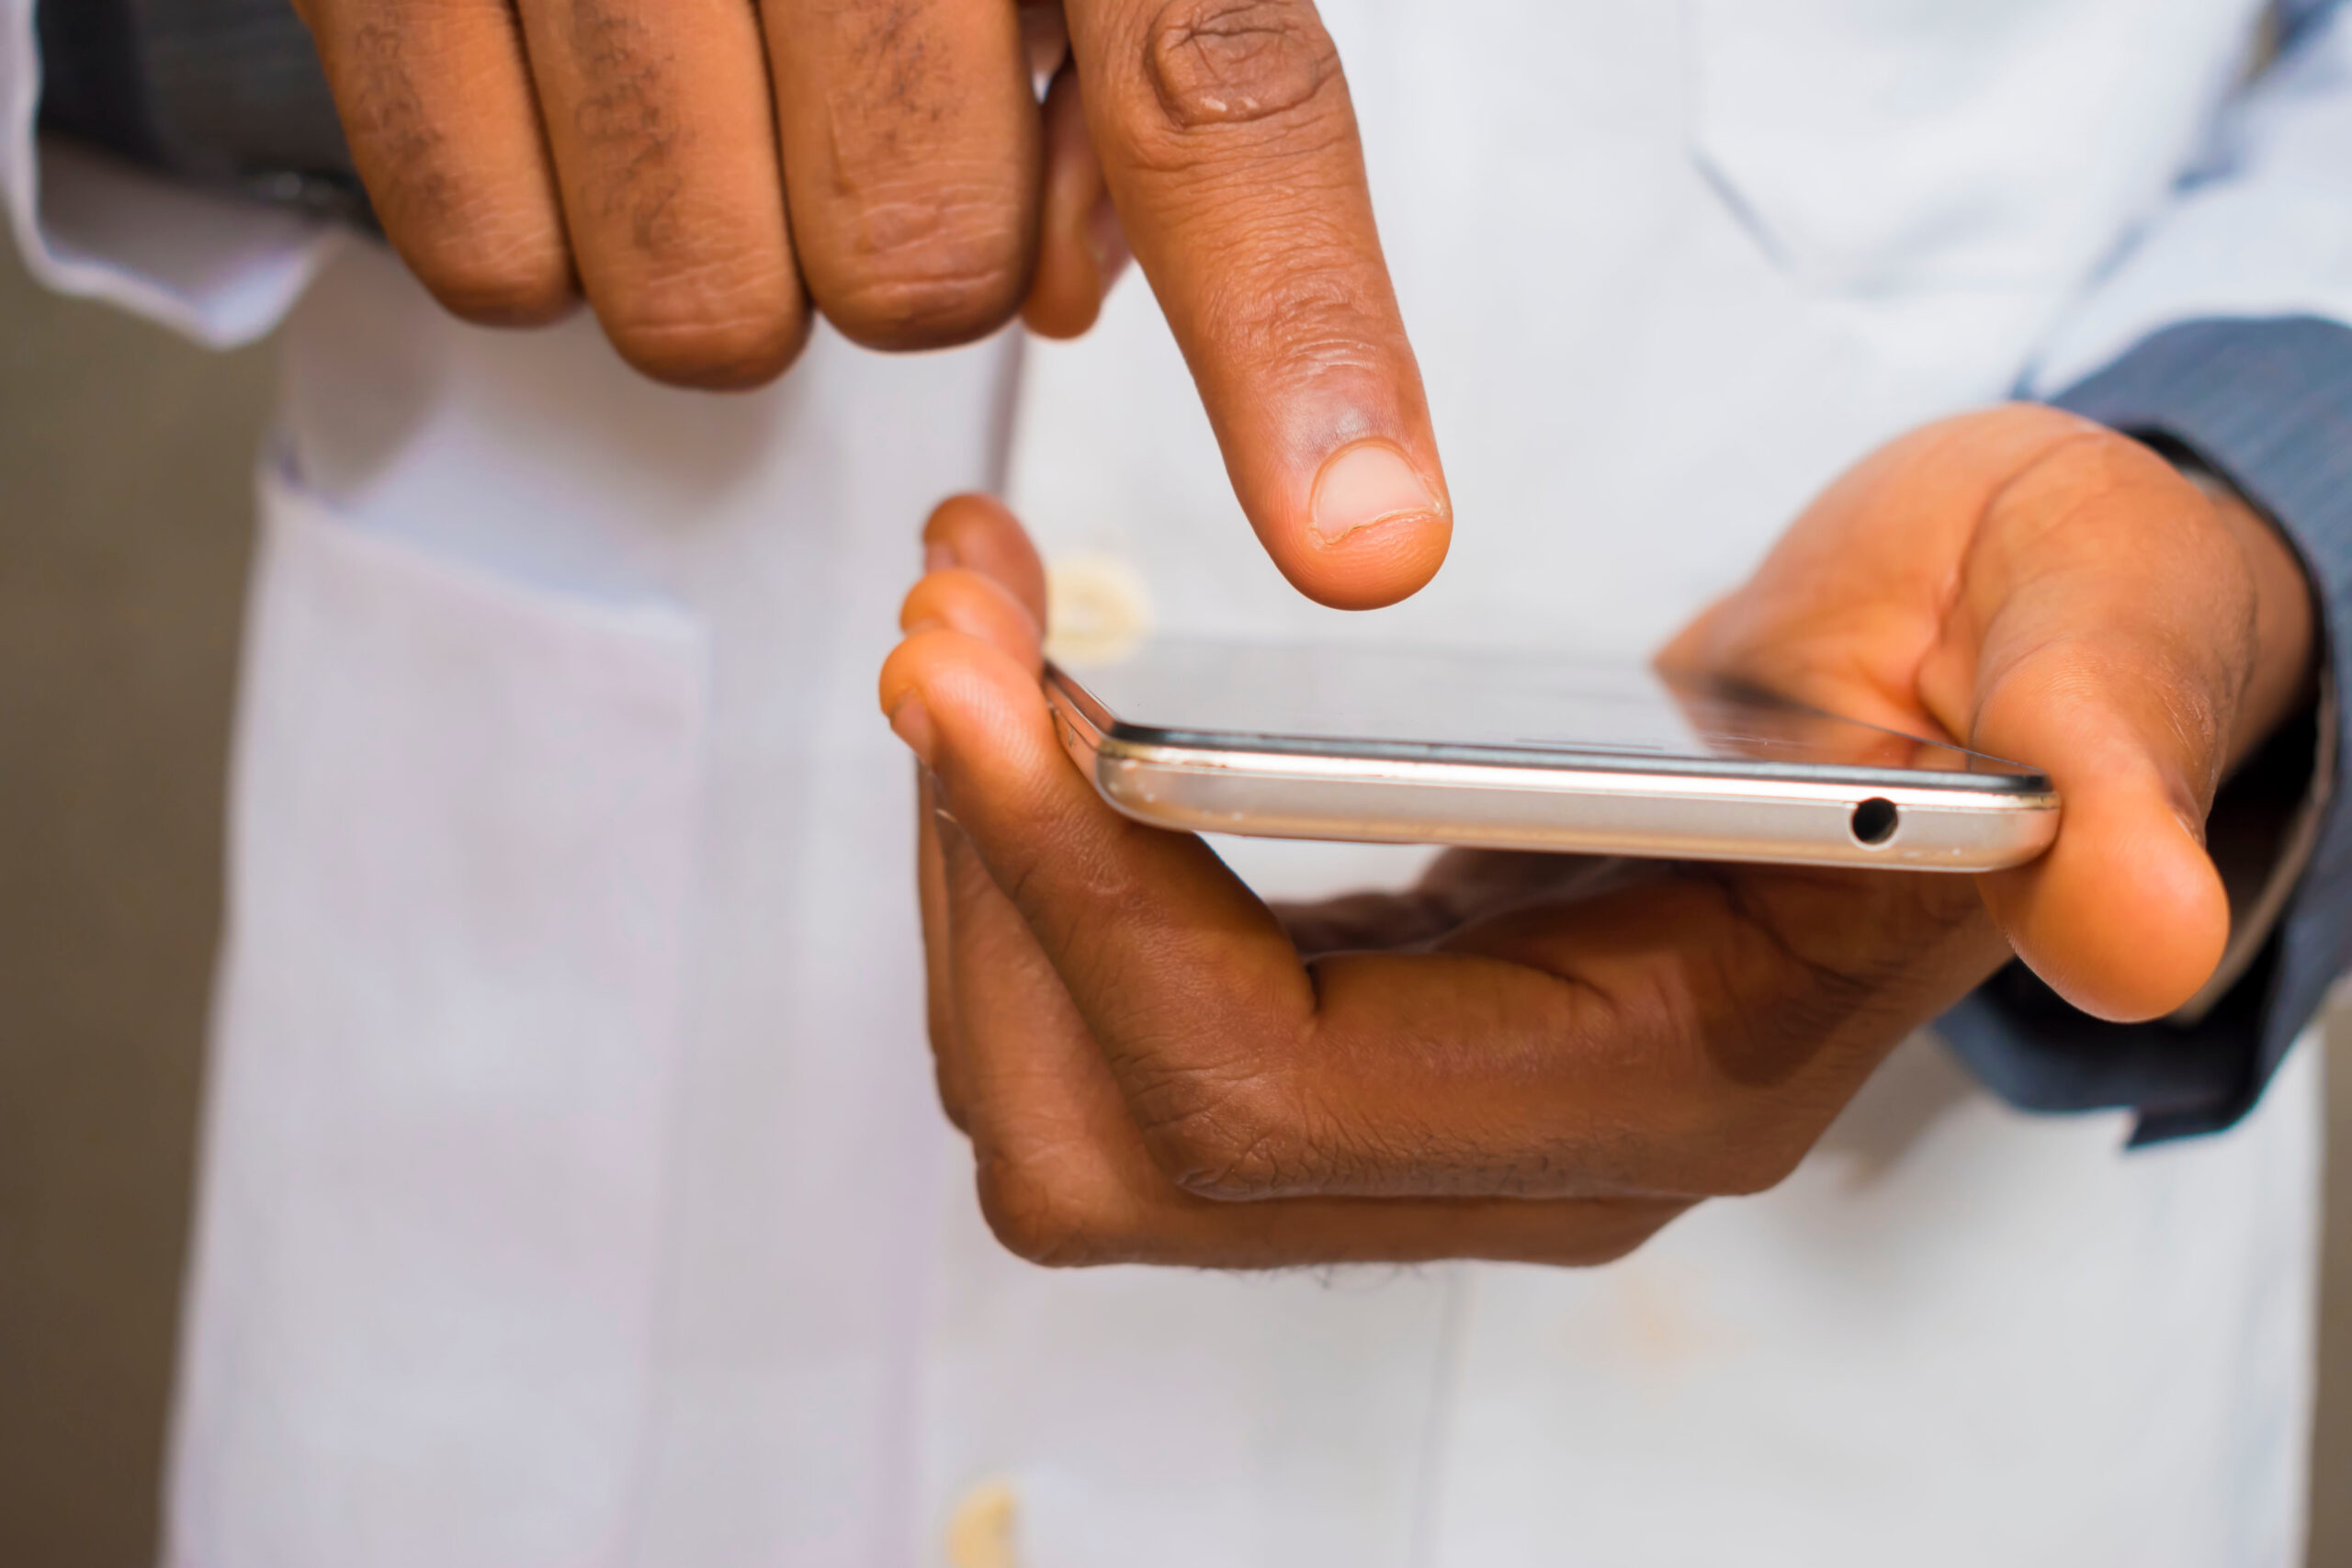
[[1625, 811]]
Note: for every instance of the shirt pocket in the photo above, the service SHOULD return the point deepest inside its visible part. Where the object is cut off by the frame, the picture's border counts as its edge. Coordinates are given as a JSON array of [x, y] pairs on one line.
[[1874, 148], [420, 1324]]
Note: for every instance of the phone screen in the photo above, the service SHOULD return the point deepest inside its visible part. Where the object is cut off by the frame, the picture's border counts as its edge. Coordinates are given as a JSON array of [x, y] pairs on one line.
[[1442, 704]]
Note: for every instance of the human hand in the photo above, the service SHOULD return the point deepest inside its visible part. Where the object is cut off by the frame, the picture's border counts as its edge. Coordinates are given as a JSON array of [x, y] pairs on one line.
[[1547, 1058], [2044, 589], [711, 173]]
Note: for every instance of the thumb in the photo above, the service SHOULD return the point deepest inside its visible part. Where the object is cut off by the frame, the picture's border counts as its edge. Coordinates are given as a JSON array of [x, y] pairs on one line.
[[2125, 916], [2097, 637]]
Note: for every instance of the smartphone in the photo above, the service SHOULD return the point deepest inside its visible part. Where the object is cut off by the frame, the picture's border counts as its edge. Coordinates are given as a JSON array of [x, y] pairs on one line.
[[1526, 752]]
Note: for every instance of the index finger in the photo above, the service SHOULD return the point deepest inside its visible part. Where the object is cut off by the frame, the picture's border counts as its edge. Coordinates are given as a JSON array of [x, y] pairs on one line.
[[1228, 141]]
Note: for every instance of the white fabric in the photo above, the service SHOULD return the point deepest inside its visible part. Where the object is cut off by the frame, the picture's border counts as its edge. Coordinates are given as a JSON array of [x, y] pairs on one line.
[[432, 1212], [2080, 1359], [1665, 281], [2264, 230], [804, 1147]]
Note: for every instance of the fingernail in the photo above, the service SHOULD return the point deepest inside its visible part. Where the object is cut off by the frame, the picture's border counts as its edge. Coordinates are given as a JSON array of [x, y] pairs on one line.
[[938, 555], [1363, 484], [910, 722]]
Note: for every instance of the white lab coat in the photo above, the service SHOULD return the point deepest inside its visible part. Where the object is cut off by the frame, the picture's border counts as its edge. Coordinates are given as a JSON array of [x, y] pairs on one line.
[[573, 1192]]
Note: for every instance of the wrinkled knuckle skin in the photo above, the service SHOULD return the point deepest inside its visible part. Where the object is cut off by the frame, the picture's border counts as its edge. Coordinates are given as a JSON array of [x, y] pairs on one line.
[[485, 263], [518, 283], [471, 231], [1235, 62], [713, 351], [939, 310], [1319, 331], [1231, 1140], [916, 277]]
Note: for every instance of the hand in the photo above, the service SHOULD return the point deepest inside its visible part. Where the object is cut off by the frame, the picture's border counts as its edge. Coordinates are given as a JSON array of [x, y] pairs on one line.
[[1547, 1058], [903, 179], [2049, 591]]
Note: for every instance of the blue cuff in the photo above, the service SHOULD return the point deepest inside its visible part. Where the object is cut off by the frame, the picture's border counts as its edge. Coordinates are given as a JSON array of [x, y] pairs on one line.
[[2265, 403]]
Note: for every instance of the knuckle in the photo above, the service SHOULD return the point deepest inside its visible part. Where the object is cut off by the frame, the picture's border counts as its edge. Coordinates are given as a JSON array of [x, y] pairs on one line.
[[926, 273], [1227, 62], [940, 310], [1715, 1145], [714, 336], [493, 275], [1317, 325], [1225, 1135], [2081, 465], [1036, 1222], [1747, 1161], [478, 225]]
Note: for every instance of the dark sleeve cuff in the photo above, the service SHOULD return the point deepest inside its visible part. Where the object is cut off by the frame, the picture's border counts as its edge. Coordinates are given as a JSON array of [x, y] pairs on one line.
[[227, 94], [2265, 403]]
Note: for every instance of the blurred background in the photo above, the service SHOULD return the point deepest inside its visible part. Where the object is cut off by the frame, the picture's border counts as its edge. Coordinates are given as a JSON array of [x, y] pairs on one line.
[[124, 523]]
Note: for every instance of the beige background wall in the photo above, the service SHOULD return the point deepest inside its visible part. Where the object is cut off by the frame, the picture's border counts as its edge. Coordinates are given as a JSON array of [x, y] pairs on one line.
[[123, 535]]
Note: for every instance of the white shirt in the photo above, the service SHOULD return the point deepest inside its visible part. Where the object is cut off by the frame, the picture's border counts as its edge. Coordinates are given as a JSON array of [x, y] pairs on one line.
[[572, 1191]]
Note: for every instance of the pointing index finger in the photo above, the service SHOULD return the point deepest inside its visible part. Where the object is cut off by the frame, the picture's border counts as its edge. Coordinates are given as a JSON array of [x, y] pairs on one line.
[[1228, 141]]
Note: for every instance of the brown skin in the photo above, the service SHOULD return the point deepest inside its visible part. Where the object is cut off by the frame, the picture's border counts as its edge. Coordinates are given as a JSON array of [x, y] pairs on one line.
[[713, 174], [1548, 1058]]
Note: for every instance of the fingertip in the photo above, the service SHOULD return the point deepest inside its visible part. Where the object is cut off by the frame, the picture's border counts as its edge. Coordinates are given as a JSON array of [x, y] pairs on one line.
[[961, 679], [903, 670], [1106, 241], [926, 674], [1378, 529], [2125, 917], [1066, 296], [1077, 227], [1077, 269], [978, 605], [979, 532], [983, 725], [910, 722], [1370, 567]]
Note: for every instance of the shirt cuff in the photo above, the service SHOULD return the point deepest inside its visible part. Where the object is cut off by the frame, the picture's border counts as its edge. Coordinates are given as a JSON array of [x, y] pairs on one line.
[[2265, 404], [220, 270]]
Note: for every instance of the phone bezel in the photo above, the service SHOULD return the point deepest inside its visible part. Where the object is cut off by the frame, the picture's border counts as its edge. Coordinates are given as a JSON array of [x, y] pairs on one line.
[[1550, 799]]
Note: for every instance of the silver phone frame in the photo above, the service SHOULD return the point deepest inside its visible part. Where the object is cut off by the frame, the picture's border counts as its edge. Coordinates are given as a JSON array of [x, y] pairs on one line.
[[1774, 814]]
